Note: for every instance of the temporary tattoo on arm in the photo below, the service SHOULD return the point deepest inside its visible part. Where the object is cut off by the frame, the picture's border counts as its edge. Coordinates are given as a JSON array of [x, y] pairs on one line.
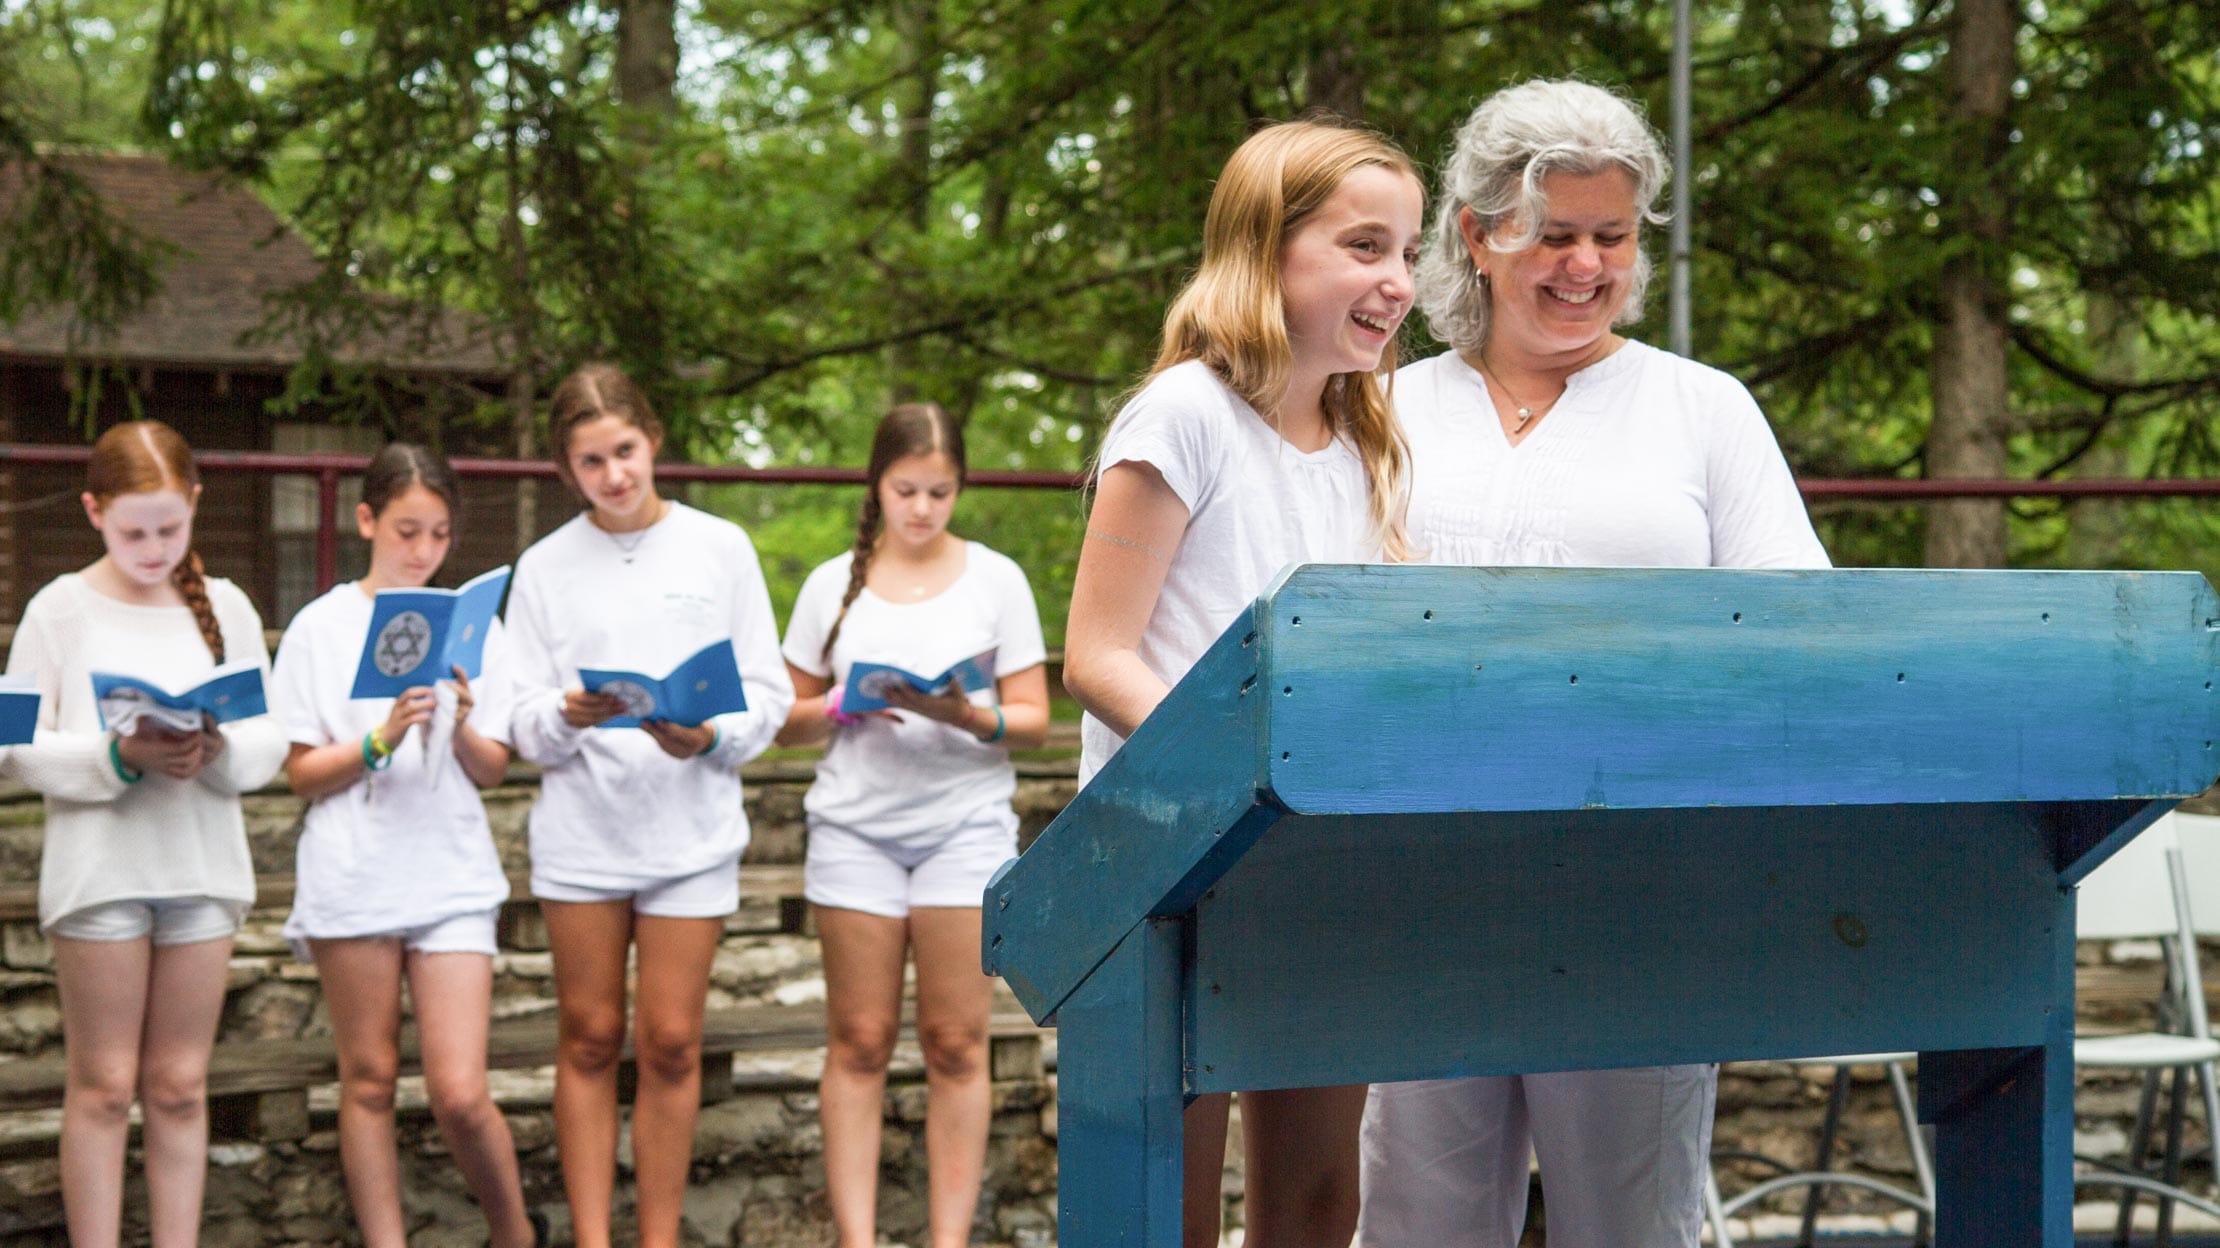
[[1128, 543]]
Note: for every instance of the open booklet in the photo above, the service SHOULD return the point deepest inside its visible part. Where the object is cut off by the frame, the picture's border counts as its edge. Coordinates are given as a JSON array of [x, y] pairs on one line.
[[868, 683], [19, 709], [233, 691], [419, 636], [706, 685]]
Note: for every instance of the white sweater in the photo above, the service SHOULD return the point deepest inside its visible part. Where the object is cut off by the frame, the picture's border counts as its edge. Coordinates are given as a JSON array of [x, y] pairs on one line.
[[615, 811], [107, 840]]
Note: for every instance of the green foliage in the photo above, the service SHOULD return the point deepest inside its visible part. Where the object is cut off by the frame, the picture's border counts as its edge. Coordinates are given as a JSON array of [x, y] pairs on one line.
[[989, 203]]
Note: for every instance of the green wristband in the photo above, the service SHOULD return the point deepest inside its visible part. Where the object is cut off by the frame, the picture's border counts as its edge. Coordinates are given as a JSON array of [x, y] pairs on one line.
[[115, 760]]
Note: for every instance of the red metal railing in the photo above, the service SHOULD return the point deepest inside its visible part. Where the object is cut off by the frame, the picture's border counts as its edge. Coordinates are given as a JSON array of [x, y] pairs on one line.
[[328, 469]]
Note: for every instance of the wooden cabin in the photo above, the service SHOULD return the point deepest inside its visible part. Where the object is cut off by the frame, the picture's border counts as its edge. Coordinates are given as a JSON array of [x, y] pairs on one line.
[[197, 357]]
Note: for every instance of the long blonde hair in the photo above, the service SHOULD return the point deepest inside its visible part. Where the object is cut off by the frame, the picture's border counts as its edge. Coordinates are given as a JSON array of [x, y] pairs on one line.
[[1232, 315]]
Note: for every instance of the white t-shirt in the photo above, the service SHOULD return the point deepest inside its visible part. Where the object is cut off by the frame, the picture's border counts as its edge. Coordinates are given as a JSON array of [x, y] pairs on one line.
[[1648, 461], [1255, 504], [615, 811], [914, 780], [409, 844], [107, 840]]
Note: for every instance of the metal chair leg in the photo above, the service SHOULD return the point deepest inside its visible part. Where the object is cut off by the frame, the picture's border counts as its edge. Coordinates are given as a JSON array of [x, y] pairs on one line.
[[1923, 1163], [1838, 1098], [2170, 1167], [1715, 1210], [2139, 1145]]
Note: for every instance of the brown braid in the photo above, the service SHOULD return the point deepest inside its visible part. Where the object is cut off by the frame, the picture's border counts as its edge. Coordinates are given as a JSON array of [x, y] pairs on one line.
[[909, 429], [188, 578], [859, 566]]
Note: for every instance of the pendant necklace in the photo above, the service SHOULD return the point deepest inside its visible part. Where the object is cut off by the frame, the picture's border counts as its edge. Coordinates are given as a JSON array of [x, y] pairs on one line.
[[625, 549], [1526, 412]]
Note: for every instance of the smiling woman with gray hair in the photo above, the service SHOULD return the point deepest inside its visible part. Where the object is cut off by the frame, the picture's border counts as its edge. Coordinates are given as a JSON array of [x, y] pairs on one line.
[[1543, 437]]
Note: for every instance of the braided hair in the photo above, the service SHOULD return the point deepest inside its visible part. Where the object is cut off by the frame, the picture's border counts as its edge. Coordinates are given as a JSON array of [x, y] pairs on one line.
[[909, 429], [142, 456]]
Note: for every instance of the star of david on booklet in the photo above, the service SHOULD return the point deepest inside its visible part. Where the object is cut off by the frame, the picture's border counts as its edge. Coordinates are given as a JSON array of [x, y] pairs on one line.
[[868, 683], [19, 709], [233, 691], [419, 636], [704, 686]]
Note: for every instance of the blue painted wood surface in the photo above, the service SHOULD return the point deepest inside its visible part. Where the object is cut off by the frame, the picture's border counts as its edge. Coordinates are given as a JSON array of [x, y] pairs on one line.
[[1178, 802], [2004, 1129], [1427, 821], [1585, 939], [1557, 689], [1119, 1097]]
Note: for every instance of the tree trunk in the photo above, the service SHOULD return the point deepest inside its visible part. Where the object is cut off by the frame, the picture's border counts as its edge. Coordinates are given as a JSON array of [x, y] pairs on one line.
[[1335, 82], [647, 55], [521, 315], [917, 24], [1973, 418]]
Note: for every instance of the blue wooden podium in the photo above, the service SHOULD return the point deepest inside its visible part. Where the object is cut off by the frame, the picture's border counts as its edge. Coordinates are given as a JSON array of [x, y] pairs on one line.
[[1417, 822]]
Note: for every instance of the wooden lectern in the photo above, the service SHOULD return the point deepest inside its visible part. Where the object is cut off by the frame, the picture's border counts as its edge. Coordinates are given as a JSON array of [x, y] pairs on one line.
[[1417, 822]]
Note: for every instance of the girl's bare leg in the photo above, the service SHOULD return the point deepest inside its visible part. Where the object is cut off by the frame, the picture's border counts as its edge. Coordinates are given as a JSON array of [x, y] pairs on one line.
[[1300, 1169], [184, 1005], [362, 990], [589, 940], [673, 988], [954, 998], [104, 990], [863, 1002], [453, 995]]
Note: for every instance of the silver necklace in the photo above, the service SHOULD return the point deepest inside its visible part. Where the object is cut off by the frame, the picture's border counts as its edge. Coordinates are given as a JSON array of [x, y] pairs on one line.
[[1526, 410], [626, 550]]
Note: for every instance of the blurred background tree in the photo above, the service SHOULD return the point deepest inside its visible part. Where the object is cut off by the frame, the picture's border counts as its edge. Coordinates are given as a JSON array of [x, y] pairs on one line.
[[1962, 238]]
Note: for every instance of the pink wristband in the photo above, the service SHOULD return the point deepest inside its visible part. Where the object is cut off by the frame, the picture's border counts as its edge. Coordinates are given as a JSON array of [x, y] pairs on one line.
[[835, 714]]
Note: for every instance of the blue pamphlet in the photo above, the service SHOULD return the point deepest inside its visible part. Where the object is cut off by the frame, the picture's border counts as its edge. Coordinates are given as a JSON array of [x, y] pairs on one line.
[[419, 636], [19, 709], [705, 685], [868, 682], [233, 691]]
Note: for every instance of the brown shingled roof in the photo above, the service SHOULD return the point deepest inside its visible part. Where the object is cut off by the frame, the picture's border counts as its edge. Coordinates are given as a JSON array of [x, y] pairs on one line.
[[232, 254]]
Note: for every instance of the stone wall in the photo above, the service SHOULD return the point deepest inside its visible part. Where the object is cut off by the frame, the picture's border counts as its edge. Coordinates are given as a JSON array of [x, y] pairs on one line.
[[758, 1180]]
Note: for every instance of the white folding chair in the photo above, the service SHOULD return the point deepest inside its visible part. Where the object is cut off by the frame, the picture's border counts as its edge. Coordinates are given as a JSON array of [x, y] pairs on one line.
[[2143, 893], [1822, 1176]]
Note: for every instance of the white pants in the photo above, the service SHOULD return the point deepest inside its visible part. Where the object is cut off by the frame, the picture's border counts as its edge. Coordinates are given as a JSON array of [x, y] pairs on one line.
[[1622, 1153]]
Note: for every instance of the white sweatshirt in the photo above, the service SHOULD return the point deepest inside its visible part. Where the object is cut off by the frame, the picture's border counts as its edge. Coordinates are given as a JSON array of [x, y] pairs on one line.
[[108, 840], [615, 811]]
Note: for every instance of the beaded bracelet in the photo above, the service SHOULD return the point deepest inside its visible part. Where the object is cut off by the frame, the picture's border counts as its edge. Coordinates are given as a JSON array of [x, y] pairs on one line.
[[376, 754], [115, 760]]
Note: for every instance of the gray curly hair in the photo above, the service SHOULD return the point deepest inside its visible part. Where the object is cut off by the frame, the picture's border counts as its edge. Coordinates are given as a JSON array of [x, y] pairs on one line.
[[1515, 139]]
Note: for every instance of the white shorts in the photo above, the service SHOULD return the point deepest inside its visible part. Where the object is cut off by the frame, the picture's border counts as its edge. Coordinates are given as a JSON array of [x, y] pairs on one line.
[[462, 933], [1623, 1156], [169, 920], [849, 871], [710, 894]]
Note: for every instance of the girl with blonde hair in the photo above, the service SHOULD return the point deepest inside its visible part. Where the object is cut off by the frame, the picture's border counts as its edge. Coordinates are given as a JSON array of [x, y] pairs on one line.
[[1261, 437]]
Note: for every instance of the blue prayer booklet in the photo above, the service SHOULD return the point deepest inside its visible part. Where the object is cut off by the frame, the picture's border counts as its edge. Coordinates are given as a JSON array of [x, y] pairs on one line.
[[233, 691], [19, 710], [868, 682], [419, 636], [705, 685]]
